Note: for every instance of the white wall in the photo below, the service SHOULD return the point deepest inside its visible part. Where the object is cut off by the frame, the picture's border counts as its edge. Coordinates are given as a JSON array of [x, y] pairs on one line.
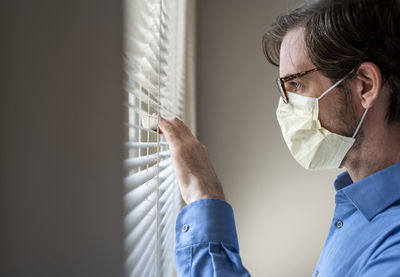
[[61, 138], [282, 211]]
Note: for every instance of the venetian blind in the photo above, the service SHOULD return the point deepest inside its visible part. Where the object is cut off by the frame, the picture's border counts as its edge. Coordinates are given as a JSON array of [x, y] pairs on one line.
[[158, 54]]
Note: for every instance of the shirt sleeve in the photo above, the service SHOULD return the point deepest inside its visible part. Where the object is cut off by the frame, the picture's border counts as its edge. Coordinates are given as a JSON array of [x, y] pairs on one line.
[[206, 241]]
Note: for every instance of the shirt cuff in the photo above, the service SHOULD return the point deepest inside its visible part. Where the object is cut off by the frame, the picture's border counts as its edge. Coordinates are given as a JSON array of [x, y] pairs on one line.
[[206, 220]]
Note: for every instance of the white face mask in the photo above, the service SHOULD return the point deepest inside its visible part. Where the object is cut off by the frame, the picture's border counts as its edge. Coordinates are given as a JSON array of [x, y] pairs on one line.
[[312, 146]]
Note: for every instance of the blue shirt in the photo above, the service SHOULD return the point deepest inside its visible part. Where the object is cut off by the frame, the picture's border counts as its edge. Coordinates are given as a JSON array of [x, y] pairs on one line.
[[363, 240]]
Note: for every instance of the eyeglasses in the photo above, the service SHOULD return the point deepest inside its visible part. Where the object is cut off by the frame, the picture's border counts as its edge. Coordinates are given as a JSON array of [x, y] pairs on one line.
[[281, 82]]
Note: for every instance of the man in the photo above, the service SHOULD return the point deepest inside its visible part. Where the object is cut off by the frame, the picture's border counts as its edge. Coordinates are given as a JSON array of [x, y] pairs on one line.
[[339, 62]]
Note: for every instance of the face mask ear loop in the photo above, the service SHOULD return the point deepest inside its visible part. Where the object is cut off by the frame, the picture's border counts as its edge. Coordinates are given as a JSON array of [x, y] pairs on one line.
[[336, 84], [360, 123], [329, 89]]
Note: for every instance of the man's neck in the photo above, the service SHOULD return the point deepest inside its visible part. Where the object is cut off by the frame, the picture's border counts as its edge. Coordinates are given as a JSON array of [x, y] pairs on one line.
[[378, 150]]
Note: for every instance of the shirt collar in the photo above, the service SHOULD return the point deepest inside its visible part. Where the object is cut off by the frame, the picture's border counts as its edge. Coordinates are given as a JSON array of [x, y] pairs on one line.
[[374, 193]]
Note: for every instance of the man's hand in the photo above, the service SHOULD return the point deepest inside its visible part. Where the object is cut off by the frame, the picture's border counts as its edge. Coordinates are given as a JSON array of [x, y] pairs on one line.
[[196, 176]]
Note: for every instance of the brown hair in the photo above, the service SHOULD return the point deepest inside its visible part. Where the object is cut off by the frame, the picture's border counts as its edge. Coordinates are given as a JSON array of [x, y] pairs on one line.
[[341, 34]]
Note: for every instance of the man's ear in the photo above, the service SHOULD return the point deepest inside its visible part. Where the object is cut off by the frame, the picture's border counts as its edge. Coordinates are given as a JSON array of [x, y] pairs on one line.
[[369, 84]]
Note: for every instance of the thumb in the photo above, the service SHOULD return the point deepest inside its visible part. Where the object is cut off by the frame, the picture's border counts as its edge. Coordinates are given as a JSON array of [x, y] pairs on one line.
[[159, 129], [167, 129]]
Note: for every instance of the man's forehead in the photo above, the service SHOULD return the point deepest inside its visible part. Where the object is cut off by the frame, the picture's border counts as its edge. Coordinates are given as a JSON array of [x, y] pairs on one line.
[[293, 55]]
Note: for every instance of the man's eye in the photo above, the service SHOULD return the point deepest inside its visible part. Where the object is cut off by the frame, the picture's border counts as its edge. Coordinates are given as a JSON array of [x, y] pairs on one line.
[[293, 86]]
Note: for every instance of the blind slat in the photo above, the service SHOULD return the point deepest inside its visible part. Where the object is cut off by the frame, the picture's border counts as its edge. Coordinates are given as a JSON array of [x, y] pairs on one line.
[[138, 230], [148, 100], [165, 185], [165, 209], [132, 144], [141, 128], [165, 245], [166, 223], [146, 74], [145, 257], [139, 212], [142, 244], [138, 195], [144, 176], [144, 160], [149, 269], [167, 172], [168, 191]]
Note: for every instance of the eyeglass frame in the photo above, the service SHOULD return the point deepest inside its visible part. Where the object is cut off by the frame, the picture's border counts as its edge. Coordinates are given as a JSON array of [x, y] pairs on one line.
[[282, 80]]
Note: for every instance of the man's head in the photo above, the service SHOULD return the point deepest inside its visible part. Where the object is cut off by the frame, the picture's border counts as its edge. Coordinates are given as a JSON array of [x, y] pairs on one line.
[[341, 34], [337, 36]]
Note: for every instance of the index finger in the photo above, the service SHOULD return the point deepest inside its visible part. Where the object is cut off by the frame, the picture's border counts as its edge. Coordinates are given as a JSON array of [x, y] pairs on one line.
[[167, 130]]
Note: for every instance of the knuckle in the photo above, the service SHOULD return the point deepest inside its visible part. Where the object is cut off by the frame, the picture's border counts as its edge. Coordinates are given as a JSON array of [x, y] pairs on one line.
[[178, 122], [166, 127], [195, 142]]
